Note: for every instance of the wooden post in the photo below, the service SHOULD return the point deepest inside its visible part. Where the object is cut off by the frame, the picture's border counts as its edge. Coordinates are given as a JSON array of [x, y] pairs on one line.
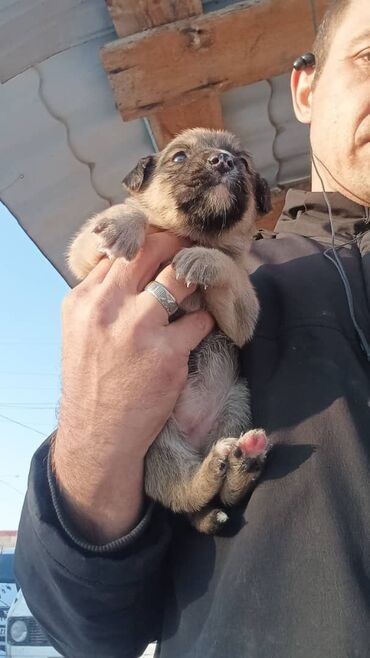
[[133, 17], [172, 62], [187, 60]]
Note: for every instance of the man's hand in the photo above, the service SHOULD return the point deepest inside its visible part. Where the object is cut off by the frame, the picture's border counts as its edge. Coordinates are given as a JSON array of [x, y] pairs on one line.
[[123, 368]]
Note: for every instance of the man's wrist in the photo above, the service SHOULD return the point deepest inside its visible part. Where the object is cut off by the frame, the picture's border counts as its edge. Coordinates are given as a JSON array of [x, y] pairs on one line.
[[75, 534], [104, 501]]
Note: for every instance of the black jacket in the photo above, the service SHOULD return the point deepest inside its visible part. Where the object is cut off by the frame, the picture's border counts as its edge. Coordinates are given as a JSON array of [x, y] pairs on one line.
[[291, 577]]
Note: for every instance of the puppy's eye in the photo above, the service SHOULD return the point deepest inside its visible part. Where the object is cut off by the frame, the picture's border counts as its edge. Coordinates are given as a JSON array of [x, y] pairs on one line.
[[179, 157]]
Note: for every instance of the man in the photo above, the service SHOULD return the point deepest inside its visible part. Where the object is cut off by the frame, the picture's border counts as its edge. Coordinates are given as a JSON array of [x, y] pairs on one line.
[[106, 572]]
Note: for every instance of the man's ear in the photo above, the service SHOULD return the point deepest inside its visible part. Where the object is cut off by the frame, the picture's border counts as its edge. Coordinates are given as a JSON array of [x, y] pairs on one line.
[[262, 194], [140, 174], [301, 86]]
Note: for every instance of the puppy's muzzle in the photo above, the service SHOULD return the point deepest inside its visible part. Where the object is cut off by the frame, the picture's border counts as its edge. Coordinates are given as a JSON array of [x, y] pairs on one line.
[[221, 161]]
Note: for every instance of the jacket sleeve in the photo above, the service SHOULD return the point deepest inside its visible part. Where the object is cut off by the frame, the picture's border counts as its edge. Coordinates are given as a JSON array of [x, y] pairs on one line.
[[105, 601]]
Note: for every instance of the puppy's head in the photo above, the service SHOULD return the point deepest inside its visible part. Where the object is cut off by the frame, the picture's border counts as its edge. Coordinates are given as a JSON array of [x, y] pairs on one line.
[[201, 185]]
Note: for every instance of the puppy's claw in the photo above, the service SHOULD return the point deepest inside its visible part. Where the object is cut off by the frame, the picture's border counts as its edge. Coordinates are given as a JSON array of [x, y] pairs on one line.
[[100, 226], [199, 266], [106, 252], [119, 233]]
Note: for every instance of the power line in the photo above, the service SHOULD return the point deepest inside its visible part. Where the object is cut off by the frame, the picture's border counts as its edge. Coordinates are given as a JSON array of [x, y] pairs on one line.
[[6, 484], [40, 341], [44, 406], [15, 386], [17, 373], [16, 422]]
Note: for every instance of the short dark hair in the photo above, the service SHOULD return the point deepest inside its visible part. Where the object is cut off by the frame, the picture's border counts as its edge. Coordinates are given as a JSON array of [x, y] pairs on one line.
[[326, 31]]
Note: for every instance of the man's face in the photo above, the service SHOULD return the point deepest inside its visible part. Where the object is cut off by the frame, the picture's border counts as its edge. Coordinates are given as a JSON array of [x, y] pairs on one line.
[[340, 120]]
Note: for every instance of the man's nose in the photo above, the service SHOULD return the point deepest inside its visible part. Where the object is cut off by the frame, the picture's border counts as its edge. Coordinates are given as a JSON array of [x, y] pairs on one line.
[[221, 161]]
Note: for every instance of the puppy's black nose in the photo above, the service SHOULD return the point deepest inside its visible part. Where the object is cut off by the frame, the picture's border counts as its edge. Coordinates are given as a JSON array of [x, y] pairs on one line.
[[221, 161]]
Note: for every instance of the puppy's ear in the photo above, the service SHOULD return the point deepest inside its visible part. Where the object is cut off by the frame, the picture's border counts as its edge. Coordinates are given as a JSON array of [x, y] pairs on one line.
[[262, 194], [140, 174]]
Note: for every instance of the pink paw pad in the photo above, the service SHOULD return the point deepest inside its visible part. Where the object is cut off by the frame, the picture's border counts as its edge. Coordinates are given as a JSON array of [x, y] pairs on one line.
[[254, 443]]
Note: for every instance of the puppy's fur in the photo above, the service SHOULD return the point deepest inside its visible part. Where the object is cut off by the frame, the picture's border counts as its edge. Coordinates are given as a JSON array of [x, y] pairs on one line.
[[201, 186]]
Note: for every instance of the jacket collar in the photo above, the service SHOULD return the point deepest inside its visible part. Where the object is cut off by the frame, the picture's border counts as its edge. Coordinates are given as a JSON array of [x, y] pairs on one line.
[[306, 213]]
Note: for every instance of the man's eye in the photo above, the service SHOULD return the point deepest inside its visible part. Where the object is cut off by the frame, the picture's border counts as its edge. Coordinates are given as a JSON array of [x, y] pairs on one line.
[[365, 56], [179, 157]]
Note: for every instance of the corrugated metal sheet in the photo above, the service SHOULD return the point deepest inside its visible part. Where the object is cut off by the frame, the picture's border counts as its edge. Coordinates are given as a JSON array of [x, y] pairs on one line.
[[33, 30], [64, 148], [246, 112], [291, 142]]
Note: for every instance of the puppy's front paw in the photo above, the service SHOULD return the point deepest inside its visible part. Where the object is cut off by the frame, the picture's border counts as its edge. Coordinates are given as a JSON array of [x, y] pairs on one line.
[[119, 236], [199, 266]]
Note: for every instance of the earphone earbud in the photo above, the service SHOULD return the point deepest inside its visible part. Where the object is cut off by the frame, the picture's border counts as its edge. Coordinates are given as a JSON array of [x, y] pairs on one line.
[[308, 59]]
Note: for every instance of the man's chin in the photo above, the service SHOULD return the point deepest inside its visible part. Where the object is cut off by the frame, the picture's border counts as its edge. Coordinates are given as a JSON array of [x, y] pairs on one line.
[[351, 179], [357, 189]]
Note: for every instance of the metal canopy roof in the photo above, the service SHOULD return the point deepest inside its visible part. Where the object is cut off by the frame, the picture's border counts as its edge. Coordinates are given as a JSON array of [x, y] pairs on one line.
[[64, 147]]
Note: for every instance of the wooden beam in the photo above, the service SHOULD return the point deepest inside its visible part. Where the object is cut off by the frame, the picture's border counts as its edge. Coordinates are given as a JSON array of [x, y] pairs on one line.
[[185, 61], [131, 16], [203, 113]]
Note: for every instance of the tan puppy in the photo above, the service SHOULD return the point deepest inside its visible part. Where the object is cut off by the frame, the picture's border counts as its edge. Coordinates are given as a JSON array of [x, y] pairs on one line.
[[201, 186]]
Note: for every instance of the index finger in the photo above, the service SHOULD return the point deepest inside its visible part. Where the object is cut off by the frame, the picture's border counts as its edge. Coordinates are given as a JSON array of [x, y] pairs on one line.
[[97, 274]]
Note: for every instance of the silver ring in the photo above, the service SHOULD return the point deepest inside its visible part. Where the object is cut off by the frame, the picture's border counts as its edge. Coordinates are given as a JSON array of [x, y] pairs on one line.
[[164, 296]]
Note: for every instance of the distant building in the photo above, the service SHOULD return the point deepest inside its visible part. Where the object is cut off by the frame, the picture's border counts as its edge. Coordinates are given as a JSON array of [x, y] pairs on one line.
[[8, 539]]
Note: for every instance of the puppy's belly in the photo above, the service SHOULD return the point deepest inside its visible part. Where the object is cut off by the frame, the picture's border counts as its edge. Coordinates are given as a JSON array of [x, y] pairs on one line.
[[198, 410], [197, 418], [213, 369]]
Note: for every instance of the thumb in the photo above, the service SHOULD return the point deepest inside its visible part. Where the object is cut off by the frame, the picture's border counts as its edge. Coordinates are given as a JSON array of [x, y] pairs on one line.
[[189, 331]]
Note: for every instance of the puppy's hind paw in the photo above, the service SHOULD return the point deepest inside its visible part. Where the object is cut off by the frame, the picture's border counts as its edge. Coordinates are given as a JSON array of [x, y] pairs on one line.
[[209, 521], [245, 465], [251, 450]]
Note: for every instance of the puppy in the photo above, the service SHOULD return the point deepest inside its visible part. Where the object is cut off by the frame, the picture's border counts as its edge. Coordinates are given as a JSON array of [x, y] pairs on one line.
[[202, 186]]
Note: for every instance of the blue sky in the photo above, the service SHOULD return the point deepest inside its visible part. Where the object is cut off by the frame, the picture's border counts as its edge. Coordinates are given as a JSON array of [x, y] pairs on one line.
[[31, 294]]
